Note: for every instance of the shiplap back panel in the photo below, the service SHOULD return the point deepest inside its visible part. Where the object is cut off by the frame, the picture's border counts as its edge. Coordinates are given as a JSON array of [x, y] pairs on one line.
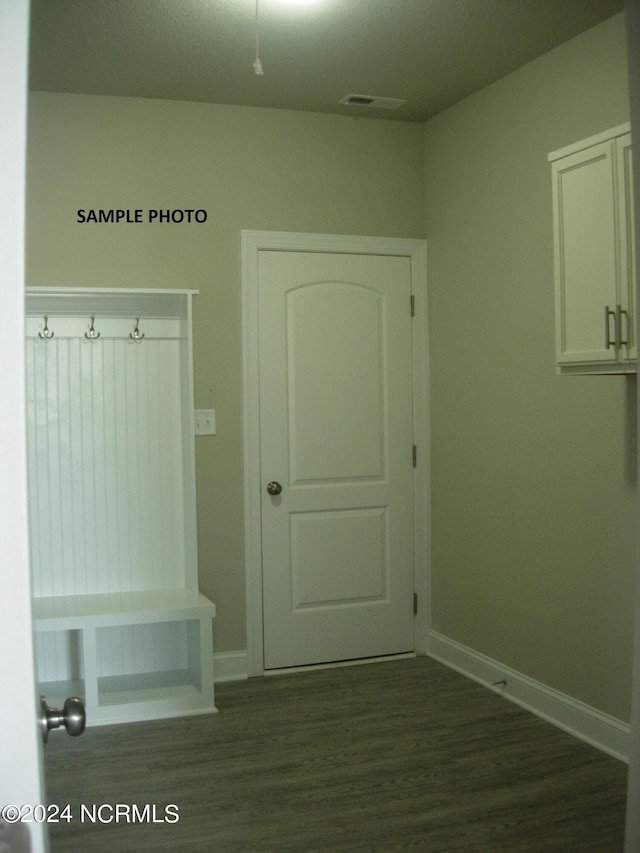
[[105, 458], [59, 656], [142, 648], [122, 650]]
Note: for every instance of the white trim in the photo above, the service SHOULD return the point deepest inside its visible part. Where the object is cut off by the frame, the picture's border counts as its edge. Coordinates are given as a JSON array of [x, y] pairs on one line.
[[230, 666], [605, 136], [252, 242], [582, 721], [22, 776], [58, 292], [422, 437], [134, 714]]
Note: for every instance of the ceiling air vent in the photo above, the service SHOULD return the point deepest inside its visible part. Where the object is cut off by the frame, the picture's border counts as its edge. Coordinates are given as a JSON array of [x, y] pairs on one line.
[[372, 101]]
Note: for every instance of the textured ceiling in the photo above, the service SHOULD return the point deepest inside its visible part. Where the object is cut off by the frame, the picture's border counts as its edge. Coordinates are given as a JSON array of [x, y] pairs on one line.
[[431, 53]]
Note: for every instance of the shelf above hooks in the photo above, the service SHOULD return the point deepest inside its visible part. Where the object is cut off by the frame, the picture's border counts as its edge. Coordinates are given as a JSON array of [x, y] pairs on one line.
[[102, 315]]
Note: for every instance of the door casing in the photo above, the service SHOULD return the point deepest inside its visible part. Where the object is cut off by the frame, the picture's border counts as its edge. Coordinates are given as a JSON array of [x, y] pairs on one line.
[[22, 776], [252, 243]]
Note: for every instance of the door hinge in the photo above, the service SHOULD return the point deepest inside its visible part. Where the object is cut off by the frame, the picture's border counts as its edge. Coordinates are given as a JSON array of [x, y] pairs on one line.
[[413, 305], [415, 456], [415, 603]]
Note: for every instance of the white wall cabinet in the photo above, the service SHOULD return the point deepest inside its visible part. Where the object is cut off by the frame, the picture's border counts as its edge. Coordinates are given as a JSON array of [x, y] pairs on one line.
[[118, 616], [594, 255]]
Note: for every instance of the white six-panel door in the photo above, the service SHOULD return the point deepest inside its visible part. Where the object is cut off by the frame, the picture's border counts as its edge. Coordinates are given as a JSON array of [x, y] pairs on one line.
[[336, 435]]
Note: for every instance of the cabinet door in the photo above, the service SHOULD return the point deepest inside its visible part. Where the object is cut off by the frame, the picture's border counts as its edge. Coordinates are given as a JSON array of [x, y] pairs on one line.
[[624, 166], [585, 256]]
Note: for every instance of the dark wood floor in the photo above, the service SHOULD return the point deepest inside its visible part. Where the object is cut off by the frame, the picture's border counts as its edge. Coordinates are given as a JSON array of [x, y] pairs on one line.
[[404, 755]]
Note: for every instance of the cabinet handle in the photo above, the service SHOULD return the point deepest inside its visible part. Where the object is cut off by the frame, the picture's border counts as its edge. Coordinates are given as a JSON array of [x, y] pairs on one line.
[[621, 312], [608, 313]]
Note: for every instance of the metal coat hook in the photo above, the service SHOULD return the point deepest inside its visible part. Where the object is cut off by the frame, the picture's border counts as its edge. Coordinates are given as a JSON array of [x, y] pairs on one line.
[[92, 335], [46, 333], [136, 335]]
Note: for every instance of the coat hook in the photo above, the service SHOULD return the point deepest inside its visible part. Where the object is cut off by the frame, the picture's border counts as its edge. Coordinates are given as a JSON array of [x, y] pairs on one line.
[[92, 335], [46, 332], [136, 335]]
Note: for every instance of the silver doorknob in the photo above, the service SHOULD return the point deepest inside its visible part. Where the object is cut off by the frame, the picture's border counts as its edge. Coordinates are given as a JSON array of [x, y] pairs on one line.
[[274, 487], [72, 717]]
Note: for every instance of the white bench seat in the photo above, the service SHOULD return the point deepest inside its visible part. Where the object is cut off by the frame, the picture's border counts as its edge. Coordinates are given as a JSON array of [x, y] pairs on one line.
[[120, 608]]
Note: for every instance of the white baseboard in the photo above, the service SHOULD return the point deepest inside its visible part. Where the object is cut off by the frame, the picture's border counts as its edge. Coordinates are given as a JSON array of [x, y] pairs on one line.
[[230, 666], [582, 721]]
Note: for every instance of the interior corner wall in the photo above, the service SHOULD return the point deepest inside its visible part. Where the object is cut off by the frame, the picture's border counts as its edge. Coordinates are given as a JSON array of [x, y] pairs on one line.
[[248, 169], [533, 474]]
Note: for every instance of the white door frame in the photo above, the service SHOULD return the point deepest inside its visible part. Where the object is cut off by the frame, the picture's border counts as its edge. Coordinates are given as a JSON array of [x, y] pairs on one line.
[[252, 243], [21, 779]]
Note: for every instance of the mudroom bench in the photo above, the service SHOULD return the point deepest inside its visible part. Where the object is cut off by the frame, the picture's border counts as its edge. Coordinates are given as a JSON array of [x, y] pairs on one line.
[[119, 619]]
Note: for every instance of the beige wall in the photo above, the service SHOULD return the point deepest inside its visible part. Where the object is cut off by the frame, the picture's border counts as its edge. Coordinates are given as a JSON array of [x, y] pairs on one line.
[[533, 486], [533, 474], [249, 168]]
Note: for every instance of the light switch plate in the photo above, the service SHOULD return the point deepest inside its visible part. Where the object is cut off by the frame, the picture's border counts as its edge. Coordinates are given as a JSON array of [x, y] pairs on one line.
[[205, 420]]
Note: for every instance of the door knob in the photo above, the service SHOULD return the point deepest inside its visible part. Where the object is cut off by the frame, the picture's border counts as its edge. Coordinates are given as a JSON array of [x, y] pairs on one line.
[[274, 488], [72, 717]]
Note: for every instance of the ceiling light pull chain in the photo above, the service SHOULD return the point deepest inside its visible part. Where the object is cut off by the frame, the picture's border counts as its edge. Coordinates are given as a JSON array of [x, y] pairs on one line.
[[257, 65]]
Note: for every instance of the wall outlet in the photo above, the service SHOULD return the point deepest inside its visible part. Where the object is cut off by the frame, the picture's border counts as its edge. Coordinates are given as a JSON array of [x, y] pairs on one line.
[[205, 420]]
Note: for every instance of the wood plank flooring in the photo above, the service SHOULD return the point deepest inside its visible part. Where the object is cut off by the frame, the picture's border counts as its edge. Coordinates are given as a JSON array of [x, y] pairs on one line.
[[402, 755]]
